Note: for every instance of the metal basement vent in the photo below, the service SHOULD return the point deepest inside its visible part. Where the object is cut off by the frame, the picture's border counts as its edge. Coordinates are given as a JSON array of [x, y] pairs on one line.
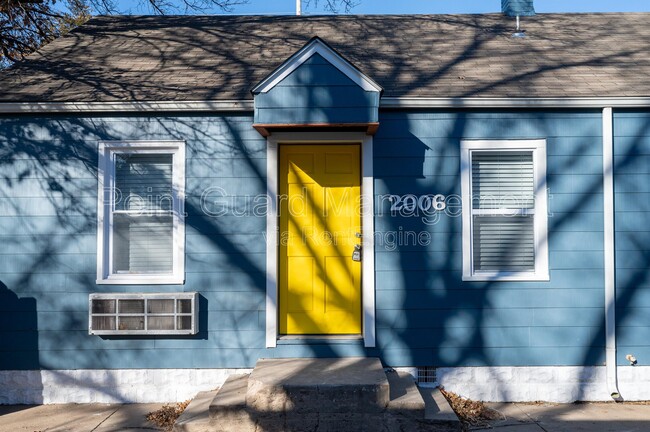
[[427, 376]]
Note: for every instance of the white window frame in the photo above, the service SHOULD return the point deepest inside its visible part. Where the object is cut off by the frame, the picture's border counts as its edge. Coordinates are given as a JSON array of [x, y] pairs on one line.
[[145, 314], [106, 176], [538, 148]]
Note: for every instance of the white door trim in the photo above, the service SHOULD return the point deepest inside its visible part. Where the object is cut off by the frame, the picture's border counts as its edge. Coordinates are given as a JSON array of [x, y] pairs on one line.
[[367, 220]]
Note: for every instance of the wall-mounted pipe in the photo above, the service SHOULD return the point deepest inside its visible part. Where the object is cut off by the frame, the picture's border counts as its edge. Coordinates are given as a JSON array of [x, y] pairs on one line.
[[610, 268]]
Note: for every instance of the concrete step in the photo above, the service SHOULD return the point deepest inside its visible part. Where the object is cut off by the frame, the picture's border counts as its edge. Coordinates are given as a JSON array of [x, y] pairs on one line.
[[300, 395], [196, 417], [437, 408], [342, 386], [405, 399], [228, 408]]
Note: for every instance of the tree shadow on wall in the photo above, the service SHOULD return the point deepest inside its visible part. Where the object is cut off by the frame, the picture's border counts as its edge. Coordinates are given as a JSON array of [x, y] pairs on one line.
[[19, 327], [430, 318]]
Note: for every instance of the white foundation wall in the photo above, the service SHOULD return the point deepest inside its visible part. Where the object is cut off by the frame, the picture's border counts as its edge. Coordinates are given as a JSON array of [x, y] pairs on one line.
[[562, 384], [108, 386]]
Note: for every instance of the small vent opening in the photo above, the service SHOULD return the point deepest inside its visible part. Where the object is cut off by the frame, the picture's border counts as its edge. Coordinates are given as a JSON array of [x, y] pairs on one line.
[[427, 376]]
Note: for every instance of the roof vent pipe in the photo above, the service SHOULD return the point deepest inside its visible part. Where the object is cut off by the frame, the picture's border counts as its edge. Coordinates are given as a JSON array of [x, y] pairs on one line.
[[518, 8], [298, 7]]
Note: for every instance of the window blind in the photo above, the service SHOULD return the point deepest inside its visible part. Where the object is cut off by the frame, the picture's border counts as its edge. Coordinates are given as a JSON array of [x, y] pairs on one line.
[[504, 243], [142, 217], [143, 182], [503, 180], [503, 203]]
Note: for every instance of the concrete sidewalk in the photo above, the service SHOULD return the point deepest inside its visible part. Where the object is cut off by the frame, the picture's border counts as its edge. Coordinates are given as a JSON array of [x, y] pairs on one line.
[[585, 417], [578, 417], [76, 417]]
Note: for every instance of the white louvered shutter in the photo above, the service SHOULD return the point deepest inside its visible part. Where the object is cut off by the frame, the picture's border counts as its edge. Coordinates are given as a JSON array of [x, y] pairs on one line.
[[503, 211]]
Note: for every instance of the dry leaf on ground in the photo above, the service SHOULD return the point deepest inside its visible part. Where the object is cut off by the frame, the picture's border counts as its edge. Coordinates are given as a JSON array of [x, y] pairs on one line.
[[470, 413], [166, 416]]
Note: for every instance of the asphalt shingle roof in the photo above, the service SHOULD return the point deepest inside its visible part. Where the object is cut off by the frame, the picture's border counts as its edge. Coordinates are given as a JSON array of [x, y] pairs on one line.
[[203, 58]]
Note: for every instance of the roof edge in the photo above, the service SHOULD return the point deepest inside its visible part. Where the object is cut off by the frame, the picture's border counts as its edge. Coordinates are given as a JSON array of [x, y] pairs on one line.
[[385, 103], [510, 102], [131, 106]]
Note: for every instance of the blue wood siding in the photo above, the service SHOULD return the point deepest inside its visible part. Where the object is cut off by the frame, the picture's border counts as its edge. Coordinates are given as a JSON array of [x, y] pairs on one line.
[[632, 222], [425, 313], [48, 228], [316, 92]]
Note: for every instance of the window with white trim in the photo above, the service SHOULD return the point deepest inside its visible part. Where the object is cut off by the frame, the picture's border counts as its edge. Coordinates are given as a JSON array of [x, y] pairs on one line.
[[141, 230], [504, 210]]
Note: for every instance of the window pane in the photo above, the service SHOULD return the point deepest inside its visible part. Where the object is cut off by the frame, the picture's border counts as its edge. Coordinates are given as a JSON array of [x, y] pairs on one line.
[[143, 182], [160, 306], [184, 323], [103, 306], [142, 244], [160, 323], [131, 306], [502, 179], [131, 323], [103, 323], [184, 306], [504, 243]]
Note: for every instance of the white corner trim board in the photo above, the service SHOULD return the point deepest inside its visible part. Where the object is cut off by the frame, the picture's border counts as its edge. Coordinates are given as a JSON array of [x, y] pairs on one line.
[[368, 227], [272, 228], [108, 385], [610, 253]]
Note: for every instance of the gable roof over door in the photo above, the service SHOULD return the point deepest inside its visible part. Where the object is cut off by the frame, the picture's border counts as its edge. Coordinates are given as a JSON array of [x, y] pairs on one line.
[[316, 46], [221, 58], [316, 87]]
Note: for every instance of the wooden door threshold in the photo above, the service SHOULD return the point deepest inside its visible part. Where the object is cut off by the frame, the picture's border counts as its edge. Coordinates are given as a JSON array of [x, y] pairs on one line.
[[319, 339]]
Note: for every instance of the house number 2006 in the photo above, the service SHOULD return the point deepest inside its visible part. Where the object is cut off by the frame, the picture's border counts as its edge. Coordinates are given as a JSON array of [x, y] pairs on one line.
[[410, 203]]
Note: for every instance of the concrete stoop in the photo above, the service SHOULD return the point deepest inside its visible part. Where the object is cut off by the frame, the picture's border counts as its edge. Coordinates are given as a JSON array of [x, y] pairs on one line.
[[296, 395]]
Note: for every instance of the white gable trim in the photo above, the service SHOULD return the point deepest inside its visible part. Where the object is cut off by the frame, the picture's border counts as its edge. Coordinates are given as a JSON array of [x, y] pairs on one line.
[[316, 46]]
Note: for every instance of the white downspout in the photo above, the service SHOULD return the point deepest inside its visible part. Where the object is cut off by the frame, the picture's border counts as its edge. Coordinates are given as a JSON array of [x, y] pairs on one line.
[[298, 7], [610, 265]]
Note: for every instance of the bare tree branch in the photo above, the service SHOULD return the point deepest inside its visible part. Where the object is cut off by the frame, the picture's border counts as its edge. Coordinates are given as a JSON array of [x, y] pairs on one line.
[[25, 25], [335, 6], [156, 6]]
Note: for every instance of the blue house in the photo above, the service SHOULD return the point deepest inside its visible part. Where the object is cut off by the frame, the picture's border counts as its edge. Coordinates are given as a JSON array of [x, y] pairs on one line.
[[182, 196]]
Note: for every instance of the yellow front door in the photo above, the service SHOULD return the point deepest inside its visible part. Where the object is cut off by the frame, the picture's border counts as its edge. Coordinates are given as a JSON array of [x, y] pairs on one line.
[[320, 282]]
